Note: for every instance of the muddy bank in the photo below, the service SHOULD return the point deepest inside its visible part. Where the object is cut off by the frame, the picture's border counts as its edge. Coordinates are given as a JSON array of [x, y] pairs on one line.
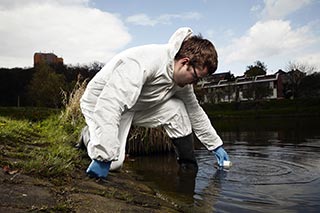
[[121, 192]]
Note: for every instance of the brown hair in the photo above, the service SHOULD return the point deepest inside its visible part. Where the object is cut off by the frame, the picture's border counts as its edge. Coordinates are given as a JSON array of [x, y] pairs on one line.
[[201, 52]]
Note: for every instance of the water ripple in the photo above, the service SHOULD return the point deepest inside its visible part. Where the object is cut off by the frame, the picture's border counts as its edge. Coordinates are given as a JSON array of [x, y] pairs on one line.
[[259, 170]]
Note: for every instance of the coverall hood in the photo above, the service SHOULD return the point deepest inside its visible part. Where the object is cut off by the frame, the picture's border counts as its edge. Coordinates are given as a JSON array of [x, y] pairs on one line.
[[176, 40]]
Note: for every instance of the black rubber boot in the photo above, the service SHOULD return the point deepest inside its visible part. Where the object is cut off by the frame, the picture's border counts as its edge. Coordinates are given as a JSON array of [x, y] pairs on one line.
[[83, 139], [185, 153]]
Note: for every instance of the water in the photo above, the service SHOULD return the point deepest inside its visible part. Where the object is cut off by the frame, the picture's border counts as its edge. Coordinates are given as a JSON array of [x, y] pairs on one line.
[[276, 168]]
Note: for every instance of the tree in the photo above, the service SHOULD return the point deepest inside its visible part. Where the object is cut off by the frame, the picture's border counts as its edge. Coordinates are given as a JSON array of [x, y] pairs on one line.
[[45, 87], [13, 86], [310, 86], [259, 68], [296, 72], [302, 67], [257, 91], [95, 66]]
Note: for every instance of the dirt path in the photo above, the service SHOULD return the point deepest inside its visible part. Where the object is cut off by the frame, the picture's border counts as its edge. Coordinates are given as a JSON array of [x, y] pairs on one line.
[[121, 192]]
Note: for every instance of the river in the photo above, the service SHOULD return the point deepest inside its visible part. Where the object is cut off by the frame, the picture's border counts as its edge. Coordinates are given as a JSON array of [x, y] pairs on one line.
[[276, 168]]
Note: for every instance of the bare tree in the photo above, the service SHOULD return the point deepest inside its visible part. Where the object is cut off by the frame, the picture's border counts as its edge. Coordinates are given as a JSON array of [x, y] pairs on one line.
[[296, 72], [302, 67]]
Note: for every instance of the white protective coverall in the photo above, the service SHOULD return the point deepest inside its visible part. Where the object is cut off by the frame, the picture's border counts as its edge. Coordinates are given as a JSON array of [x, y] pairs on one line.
[[137, 87]]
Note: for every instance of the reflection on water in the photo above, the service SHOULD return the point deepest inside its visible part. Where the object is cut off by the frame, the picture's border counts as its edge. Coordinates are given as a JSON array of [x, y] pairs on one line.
[[276, 168]]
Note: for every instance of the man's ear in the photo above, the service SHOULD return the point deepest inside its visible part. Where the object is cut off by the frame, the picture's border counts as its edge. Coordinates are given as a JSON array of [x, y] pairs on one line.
[[185, 60]]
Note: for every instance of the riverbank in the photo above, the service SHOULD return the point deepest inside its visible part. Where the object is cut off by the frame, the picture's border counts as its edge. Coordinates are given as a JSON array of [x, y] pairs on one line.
[[264, 109], [121, 192], [41, 171]]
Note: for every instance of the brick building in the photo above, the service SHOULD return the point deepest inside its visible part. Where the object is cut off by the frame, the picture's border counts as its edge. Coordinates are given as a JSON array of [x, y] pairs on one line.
[[47, 58]]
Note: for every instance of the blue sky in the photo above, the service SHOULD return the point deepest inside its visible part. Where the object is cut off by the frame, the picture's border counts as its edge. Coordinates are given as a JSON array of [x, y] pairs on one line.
[[275, 32]]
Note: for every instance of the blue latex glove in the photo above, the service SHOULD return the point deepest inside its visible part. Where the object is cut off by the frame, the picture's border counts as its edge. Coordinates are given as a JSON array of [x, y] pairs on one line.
[[221, 155], [98, 169]]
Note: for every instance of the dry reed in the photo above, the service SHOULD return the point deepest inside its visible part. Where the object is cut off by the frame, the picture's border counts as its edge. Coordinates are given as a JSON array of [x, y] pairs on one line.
[[145, 141], [72, 112]]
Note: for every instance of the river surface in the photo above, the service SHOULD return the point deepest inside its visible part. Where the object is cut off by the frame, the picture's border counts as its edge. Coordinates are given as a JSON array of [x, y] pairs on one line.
[[276, 168]]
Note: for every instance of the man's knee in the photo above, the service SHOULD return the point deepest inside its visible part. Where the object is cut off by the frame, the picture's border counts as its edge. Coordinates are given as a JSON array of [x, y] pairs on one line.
[[179, 124]]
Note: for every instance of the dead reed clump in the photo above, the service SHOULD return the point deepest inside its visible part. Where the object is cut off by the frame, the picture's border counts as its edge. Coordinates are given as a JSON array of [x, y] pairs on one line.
[[146, 141], [72, 112]]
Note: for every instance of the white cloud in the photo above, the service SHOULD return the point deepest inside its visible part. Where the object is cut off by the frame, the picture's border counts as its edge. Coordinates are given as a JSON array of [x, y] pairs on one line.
[[68, 27], [141, 19], [145, 20], [268, 39], [277, 9]]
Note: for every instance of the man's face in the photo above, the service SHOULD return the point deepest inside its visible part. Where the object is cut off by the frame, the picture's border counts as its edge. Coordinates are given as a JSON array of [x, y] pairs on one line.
[[185, 73]]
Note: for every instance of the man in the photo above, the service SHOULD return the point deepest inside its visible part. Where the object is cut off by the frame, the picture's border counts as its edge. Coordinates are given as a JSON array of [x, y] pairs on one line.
[[150, 86]]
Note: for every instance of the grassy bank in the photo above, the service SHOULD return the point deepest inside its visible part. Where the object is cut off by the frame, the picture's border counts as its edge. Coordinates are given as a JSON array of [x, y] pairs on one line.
[[41, 171], [43, 147], [260, 109]]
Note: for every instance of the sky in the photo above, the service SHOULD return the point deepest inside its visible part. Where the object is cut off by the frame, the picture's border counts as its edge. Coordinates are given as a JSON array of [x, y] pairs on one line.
[[275, 32]]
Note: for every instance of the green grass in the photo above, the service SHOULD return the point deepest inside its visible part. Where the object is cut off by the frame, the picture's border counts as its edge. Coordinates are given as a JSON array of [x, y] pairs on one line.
[[44, 148], [28, 113]]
